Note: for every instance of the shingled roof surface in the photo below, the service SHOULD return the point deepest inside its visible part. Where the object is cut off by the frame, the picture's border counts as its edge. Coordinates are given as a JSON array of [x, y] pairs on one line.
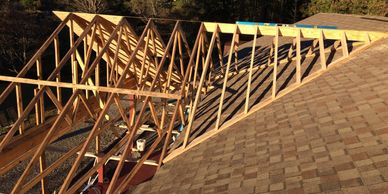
[[329, 135]]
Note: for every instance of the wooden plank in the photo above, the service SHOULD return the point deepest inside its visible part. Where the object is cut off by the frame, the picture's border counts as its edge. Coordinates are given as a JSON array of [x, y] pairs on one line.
[[57, 60], [38, 53], [98, 122], [19, 104], [88, 87], [259, 106], [180, 53], [220, 57], [41, 100], [139, 118], [275, 66], [344, 45], [42, 167], [298, 58], [49, 169], [201, 82], [246, 109], [231, 50], [52, 76], [74, 96], [310, 33], [322, 51], [51, 95]]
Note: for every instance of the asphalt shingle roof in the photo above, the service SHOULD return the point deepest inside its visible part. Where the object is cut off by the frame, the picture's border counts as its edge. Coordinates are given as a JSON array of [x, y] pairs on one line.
[[331, 134]]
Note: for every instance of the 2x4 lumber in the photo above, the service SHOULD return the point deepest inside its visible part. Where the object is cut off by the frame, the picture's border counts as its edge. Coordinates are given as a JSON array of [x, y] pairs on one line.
[[275, 66], [236, 44], [169, 133], [220, 57], [200, 45], [58, 105], [135, 169], [344, 45], [180, 54], [88, 16], [322, 51], [41, 100], [246, 109], [298, 57], [265, 103], [115, 67], [37, 120], [42, 167], [123, 185], [100, 118], [144, 57], [19, 104], [196, 50], [25, 188], [128, 147], [291, 50], [201, 82], [56, 123], [16, 150], [225, 83], [88, 87], [38, 53], [57, 60], [310, 33], [312, 47], [98, 165]]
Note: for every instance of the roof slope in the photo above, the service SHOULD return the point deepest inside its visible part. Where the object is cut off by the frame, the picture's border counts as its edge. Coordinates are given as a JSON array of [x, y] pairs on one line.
[[331, 134]]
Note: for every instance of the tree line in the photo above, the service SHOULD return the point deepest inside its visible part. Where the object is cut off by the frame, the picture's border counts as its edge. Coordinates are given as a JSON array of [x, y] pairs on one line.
[[21, 31]]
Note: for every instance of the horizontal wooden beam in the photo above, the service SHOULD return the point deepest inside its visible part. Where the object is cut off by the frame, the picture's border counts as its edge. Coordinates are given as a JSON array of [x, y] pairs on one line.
[[87, 87], [332, 34]]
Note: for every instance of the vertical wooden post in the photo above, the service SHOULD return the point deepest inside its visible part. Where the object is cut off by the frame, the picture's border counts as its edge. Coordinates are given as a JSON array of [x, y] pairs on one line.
[[72, 59], [169, 133], [19, 104], [41, 100], [85, 56], [271, 50], [236, 52], [250, 72], [219, 114], [322, 50], [291, 50], [57, 60], [100, 170], [275, 66], [37, 113], [180, 53], [344, 45], [144, 56], [298, 57], [197, 63], [201, 81], [220, 56], [42, 167]]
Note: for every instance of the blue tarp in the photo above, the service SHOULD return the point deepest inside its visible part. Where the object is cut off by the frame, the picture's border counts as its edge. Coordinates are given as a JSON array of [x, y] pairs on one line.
[[288, 25]]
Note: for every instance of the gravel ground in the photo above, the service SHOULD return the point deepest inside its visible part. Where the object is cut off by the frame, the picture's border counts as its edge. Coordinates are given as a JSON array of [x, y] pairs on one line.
[[53, 152]]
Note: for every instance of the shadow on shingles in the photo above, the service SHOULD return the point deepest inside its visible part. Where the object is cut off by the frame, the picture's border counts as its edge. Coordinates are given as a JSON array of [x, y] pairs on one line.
[[375, 19], [235, 97]]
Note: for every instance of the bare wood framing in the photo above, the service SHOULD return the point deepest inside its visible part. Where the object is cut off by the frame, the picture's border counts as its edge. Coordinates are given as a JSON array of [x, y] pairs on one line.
[[250, 73]]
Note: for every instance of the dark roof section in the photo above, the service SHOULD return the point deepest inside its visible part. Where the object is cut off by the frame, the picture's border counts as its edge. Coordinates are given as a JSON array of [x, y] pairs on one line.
[[350, 22], [330, 134]]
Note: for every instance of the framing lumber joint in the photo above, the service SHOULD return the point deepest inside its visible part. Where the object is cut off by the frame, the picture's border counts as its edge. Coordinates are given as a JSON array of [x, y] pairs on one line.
[[163, 84]]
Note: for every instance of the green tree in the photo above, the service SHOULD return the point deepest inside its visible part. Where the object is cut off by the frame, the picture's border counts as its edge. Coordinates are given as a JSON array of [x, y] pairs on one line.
[[362, 7]]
